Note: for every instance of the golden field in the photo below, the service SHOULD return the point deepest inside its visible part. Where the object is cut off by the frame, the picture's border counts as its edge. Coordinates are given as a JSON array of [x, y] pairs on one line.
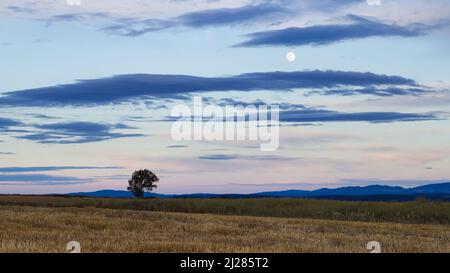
[[47, 224]]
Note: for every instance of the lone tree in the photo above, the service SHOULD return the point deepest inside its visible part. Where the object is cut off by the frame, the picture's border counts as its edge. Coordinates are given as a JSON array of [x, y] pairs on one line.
[[142, 181]]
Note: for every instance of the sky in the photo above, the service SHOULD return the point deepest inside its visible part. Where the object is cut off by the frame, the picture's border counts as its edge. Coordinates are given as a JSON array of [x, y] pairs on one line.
[[87, 88]]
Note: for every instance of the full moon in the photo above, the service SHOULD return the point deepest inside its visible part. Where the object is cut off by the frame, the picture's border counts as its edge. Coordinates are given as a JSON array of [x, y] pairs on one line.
[[291, 56]]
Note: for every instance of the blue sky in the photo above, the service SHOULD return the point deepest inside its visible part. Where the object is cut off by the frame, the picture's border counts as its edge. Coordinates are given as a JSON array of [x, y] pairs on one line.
[[84, 91]]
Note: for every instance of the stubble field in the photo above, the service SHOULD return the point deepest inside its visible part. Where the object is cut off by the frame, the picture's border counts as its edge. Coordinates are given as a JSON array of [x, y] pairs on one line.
[[28, 224]]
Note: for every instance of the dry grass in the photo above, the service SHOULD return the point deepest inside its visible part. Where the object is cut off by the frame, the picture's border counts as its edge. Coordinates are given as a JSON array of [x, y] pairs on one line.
[[419, 212], [40, 229]]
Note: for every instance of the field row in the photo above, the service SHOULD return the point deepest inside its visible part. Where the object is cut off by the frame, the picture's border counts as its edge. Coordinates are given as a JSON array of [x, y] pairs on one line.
[[419, 212]]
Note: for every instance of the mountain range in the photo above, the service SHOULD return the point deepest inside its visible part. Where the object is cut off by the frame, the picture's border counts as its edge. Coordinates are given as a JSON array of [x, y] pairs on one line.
[[367, 193]]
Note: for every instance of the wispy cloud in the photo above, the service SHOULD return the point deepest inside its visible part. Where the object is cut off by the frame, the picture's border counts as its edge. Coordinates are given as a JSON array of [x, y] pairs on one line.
[[10, 125], [177, 146], [318, 115], [74, 17], [225, 157], [6, 123], [77, 132], [40, 179], [125, 22], [250, 14], [230, 16], [52, 168], [19, 9], [373, 90], [298, 114]]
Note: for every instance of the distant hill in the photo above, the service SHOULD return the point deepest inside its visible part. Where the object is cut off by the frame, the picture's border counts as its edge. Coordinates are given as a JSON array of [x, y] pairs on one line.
[[367, 193], [369, 190], [433, 188], [443, 188]]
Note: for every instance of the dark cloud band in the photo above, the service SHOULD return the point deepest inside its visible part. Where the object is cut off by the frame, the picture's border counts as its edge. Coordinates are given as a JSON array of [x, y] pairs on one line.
[[124, 88], [317, 35]]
